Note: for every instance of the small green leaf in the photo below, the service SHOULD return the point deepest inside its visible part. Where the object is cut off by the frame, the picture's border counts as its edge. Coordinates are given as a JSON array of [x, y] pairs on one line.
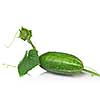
[[25, 34], [30, 60]]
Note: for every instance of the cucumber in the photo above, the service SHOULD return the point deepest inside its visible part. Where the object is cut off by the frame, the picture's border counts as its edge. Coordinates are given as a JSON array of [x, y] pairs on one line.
[[61, 63], [55, 62]]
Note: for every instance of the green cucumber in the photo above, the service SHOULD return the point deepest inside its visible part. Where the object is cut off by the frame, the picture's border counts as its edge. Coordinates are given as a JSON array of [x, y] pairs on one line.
[[61, 63], [55, 62]]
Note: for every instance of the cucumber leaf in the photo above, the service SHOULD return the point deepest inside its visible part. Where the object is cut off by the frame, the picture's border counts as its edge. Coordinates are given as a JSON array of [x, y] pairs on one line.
[[30, 60]]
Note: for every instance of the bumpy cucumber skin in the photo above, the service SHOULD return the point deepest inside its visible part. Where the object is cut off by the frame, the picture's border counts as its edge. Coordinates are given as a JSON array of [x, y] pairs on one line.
[[61, 63]]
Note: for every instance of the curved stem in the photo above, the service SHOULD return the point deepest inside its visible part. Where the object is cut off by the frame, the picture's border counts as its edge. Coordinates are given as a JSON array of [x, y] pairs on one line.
[[92, 72], [30, 42], [7, 46]]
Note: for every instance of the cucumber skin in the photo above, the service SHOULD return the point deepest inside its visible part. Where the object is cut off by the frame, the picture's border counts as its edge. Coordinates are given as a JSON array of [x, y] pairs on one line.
[[61, 63]]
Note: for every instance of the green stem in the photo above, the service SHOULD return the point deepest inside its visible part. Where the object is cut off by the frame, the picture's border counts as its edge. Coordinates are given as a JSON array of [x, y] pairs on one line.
[[92, 72], [30, 42]]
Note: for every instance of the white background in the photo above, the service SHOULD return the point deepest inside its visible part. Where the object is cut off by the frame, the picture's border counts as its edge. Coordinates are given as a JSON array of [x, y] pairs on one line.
[[71, 26]]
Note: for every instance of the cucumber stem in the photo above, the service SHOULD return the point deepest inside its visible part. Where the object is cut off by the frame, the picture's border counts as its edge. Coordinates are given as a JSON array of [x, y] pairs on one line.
[[92, 72], [26, 35], [30, 42]]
